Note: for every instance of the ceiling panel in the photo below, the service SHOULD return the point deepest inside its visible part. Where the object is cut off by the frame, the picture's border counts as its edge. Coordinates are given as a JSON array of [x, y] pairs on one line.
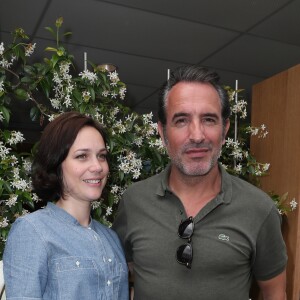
[[25, 14], [113, 27], [283, 26], [256, 56], [232, 14], [246, 40]]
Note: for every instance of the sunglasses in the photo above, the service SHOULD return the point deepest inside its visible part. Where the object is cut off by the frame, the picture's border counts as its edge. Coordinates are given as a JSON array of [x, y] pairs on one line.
[[184, 254]]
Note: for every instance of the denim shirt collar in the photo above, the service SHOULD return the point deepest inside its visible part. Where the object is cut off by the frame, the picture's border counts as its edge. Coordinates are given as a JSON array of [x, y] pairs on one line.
[[63, 216]]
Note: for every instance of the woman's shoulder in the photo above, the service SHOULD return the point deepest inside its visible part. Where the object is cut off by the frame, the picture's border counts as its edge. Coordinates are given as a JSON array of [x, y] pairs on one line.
[[103, 229]]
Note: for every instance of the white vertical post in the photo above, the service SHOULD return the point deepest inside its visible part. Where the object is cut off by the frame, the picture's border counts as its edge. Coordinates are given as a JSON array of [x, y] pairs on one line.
[[235, 118], [85, 60], [168, 76]]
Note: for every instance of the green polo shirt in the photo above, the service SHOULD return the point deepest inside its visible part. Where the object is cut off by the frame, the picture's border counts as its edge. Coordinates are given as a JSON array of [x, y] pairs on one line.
[[237, 235]]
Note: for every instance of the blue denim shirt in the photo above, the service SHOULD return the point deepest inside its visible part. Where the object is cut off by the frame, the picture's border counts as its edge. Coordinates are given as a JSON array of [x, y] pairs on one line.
[[49, 255]]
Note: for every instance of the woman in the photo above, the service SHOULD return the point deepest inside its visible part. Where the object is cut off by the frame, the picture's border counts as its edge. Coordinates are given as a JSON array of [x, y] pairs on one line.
[[59, 252]]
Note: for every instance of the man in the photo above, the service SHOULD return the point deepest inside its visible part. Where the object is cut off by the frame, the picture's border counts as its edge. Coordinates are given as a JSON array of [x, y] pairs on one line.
[[194, 231]]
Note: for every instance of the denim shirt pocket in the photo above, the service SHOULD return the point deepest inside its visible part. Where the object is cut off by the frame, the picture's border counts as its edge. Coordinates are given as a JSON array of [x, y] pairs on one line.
[[76, 277], [117, 278]]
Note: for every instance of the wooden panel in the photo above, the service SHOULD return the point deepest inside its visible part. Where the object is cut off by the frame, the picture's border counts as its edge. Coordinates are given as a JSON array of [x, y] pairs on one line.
[[276, 103]]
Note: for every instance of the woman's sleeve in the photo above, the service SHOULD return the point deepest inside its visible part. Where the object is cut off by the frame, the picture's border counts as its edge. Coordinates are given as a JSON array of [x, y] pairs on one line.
[[25, 262]]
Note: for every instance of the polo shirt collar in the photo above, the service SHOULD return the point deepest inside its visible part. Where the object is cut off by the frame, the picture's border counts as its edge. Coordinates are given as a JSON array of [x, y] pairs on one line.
[[224, 196]]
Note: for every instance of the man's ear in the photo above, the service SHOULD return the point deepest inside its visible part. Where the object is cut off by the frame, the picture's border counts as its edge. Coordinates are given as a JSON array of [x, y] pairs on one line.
[[226, 128], [160, 128]]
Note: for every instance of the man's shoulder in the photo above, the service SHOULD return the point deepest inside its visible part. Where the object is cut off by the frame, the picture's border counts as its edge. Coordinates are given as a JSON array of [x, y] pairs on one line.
[[248, 192], [147, 183]]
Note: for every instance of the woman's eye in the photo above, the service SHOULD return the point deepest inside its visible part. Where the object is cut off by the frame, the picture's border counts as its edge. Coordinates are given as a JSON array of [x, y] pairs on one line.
[[81, 156], [102, 156]]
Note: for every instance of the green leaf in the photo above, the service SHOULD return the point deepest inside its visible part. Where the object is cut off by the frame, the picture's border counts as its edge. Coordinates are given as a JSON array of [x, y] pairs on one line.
[[34, 113], [77, 95], [45, 87], [7, 187], [50, 30], [6, 113], [51, 49], [27, 80], [54, 60], [21, 94], [68, 33], [29, 70], [59, 22], [92, 92]]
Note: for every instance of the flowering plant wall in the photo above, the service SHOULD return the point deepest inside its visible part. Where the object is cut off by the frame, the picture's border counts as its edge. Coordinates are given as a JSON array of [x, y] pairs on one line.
[[136, 151]]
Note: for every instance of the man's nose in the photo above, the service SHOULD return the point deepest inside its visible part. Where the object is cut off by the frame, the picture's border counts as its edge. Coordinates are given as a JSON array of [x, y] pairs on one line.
[[197, 131]]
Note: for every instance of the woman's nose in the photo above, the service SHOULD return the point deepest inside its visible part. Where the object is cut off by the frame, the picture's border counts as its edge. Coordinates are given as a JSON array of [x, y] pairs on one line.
[[96, 165]]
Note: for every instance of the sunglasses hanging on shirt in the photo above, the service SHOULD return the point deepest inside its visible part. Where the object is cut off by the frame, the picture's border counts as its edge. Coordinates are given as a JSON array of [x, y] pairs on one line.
[[184, 254]]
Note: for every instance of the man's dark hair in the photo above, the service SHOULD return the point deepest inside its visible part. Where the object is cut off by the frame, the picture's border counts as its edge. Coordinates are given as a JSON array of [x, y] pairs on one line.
[[192, 73]]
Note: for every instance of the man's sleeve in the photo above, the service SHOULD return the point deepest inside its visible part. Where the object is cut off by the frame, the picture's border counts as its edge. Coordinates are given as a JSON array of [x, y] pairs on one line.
[[271, 256], [120, 226]]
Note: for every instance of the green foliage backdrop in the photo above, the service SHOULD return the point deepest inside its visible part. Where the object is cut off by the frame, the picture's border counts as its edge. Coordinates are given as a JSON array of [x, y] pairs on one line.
[[52, 86]]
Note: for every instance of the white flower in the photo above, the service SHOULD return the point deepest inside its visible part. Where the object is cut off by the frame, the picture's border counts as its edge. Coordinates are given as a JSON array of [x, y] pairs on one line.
[[96, 204], [122, 93], [114, 76], [4, 151], [130, 164], [36, 198], [15, 138], [108, 211], [265, 167], [1, 86], [1, 48], [29, 49], [147, 118], [86, 95], [67, 101], [4, 223], [238, 168], [91, 76], [26, 165], [138, 141], [55, 103], [12, 200], [293, 204], [105, 93], [24, 212], [114, 189], [113, 95]]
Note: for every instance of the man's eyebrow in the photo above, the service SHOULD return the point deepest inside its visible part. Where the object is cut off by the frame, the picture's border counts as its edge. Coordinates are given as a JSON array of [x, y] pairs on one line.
[[180, 114], [214, 115]]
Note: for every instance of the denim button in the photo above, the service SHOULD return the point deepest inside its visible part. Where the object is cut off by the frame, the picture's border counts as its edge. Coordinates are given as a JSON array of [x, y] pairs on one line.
[[77, 263], [109, 260], [108, 282]]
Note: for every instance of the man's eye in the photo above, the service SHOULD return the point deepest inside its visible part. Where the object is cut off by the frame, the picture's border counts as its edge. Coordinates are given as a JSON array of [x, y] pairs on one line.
[[209, 121], [180, 122]]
